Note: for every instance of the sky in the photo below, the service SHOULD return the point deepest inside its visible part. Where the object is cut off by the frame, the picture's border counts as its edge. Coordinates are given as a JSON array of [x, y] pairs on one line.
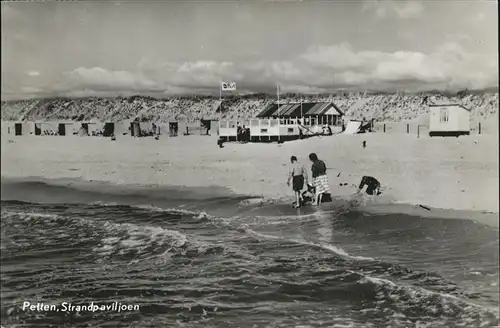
[[160, 48]]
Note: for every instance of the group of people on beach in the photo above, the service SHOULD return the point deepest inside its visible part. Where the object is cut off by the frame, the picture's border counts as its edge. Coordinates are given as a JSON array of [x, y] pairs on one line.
[[319, 188], [299, 177]]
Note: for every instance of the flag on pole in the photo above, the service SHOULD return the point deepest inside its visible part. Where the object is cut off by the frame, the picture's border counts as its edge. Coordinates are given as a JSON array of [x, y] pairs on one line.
[[228, 86]]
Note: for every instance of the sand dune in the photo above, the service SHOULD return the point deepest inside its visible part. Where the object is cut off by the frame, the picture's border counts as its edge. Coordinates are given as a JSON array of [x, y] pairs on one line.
[[382, 107], [448, 173]]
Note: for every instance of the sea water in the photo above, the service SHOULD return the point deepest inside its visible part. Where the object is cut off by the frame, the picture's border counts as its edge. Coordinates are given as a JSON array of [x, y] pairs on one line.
[[183, 267]]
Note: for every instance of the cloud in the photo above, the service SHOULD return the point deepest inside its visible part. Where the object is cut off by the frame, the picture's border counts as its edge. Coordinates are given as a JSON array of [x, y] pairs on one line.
[[318, 69], [449, 66], [27, 89], [391, 8], [98, 78]]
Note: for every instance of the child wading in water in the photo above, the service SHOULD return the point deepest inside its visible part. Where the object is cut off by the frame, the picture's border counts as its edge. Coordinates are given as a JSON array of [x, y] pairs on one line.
[[298, 176]]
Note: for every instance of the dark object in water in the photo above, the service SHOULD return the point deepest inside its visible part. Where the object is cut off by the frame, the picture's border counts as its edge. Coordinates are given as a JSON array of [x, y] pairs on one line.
[[364, 144], [307, 196], [113, 138], [338, 174], [220, 142], [157, 138], [425, 207]]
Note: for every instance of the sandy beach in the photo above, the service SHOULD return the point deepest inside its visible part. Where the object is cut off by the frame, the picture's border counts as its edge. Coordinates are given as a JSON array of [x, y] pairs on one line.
[[442, 173]]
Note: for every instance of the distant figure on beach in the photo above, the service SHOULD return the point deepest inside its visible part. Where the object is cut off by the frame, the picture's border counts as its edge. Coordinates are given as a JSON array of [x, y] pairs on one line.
[[238, 131], [298, 175], [319, 177], [373, 185], [220, 142]]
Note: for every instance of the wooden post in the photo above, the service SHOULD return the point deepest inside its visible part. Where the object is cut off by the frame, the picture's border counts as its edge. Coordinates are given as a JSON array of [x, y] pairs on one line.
[[407, 128], [384, 127], [479, 127], [418, 131]]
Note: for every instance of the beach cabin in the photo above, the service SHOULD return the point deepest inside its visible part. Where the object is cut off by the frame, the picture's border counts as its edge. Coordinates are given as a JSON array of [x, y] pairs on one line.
[[38, 128], [173, 129], [228, 130], [135, 129], [308, 114], [205, 127], [448, 120], [92, 128], [208, 126], [28, 128], [142, 129], [88, 129], [6, 127], [162, 128], [147, 129], [214, 127], [83, 130], [18, 129], [61, 129], [122, 128], [65, 128], [109, 129], [49, 128]]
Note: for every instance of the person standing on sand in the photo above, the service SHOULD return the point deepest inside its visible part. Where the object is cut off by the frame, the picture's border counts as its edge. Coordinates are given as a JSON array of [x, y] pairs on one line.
[[298, 176], [320, 179]]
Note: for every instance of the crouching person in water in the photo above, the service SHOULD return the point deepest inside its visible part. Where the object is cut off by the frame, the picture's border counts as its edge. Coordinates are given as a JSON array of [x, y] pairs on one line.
[[298, 176], [373, 185], [320, 179]]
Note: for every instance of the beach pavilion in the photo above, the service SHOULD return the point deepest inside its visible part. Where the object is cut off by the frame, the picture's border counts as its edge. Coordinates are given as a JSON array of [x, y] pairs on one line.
[[310, 113]]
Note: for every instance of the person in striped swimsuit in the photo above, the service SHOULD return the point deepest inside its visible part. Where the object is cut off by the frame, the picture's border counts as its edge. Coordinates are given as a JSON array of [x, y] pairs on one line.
[[319, 178]]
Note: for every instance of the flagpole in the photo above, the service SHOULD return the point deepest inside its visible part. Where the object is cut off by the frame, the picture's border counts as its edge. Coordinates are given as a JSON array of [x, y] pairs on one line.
[[220, 99], [301, 113], [278, 93]]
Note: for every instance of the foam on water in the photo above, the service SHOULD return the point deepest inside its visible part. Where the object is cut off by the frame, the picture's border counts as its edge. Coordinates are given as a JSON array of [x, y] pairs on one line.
[[402, 301], [122, 238], [334, 249], [274, 270]]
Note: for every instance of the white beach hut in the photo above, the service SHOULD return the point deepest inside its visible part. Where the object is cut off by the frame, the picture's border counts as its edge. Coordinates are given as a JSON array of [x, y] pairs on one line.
[[448, 120], [66, 128], [28, 128], [49, 127]]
